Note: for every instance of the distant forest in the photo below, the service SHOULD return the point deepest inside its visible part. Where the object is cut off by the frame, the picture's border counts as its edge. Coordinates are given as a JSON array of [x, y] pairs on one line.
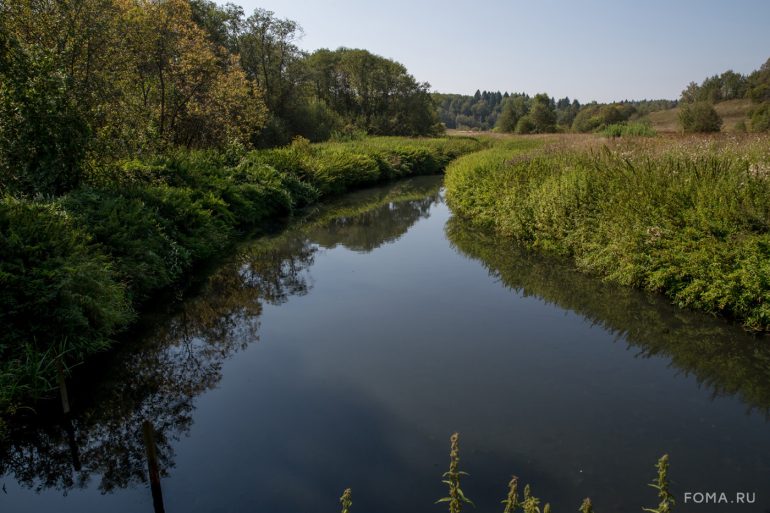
[[486, 110], [521, 113]]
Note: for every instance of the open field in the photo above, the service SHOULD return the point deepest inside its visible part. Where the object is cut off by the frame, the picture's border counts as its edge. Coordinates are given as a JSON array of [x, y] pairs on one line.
[[731, 111]]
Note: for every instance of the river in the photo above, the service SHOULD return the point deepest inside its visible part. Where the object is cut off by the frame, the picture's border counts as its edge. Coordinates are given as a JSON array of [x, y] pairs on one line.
[[345, 349]]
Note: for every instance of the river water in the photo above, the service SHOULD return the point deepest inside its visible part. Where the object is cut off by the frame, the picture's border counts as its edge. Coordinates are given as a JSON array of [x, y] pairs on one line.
[[344, 350]]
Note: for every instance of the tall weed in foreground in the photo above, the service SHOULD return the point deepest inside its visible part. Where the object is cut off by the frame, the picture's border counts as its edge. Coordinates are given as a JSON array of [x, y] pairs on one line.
[[666, 504], [528, 503], [456, 497]]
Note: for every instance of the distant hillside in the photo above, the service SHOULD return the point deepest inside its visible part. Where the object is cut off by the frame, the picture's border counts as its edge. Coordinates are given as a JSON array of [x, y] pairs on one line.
[[731, 111]]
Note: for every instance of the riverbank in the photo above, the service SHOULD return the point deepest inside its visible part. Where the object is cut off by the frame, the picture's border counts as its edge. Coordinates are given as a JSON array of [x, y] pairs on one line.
[[688, 217], [75, 270]]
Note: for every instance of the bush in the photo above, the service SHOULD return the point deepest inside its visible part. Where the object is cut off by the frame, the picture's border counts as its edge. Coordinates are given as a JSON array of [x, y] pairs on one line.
[[525, 125], [145, 256], [699, 117], [760, 118], [628, 130], [59, 296]]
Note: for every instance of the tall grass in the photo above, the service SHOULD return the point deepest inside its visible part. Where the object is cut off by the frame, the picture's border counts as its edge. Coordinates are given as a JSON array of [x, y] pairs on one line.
[[688, 219]]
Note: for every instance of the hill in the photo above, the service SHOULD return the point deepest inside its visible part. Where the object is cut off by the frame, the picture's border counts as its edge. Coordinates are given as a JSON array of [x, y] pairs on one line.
[[731, 111]]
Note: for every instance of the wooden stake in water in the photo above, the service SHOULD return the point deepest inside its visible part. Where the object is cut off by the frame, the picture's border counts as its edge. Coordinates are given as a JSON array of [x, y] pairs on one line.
[[153, 467], [65, 401]]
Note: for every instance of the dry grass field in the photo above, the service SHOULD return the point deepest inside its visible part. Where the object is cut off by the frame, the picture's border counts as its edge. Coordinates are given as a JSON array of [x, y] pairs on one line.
[[731, 111]]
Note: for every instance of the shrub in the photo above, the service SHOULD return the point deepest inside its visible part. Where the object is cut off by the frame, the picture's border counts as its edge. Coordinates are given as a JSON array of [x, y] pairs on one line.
[[699, 117], [636, 129], [58, 293], [525, 125], [145, 256], [760, 118]]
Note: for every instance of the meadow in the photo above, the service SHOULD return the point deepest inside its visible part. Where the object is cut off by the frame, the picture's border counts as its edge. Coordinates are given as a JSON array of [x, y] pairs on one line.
[[687, 217]]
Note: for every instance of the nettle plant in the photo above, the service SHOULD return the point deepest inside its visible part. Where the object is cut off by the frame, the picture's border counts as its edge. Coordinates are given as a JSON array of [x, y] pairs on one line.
[[528, 503]]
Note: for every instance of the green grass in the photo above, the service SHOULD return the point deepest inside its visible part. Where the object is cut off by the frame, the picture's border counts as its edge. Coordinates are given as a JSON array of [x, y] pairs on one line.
[[74, 271], [633, 129], [689, 220]]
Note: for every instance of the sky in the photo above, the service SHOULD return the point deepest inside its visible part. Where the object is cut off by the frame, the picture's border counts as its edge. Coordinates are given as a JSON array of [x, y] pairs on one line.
[[585, 49]]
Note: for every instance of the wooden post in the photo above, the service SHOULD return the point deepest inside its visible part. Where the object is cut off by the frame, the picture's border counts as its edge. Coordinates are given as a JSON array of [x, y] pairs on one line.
[[152, 466], [65, 401], [72, 442]]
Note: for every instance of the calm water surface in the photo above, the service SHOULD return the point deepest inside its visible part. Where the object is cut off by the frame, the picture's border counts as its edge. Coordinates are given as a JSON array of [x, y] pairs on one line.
[[346, 349]]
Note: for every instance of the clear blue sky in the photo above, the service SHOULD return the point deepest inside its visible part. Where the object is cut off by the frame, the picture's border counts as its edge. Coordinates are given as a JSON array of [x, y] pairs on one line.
[[586, 49]]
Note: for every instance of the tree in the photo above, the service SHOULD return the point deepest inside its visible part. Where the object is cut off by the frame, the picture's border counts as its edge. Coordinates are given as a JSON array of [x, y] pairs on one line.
[[271, 58], [514, 108], [543, 114], [43, 136], [372, 93], [699, 117]]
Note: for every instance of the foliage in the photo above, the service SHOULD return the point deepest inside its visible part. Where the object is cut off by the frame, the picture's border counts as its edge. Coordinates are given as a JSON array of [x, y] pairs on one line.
[[346, 500], [542, 114], [456, 498], [372, 93], [661, 484], [43, 136], [699, 117], [95, 81], [81, 265], [760, 118], [633, 129], [59, 296], [514, 108], [502, 111], [690, 222], [596, 117], [525, 125]]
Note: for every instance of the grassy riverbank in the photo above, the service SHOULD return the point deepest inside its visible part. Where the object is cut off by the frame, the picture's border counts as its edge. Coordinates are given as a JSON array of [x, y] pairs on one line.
[[75, 270], [687, 217]]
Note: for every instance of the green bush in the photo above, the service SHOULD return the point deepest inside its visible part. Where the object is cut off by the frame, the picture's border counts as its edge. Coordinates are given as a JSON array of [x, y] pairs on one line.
[[144, 255], [634, 129], [525, 125], [59, 296], [760, 118], [336, 171], [699, 117]]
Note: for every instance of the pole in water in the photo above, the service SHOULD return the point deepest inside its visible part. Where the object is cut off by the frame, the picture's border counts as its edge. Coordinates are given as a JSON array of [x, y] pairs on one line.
[[152, 466], [72, 442], [65, 401]]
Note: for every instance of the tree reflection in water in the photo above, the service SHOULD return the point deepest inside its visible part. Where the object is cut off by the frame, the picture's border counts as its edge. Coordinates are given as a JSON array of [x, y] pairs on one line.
[[156, 377], [721, 356]]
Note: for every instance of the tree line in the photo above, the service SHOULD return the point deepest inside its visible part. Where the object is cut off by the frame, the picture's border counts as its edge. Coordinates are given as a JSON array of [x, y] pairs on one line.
[[82, 81], [698, 113], [524, 114]]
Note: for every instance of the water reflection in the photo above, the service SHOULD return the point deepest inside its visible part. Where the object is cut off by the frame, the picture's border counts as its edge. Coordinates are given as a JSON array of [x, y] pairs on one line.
[[155, 379], [722, 356]]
